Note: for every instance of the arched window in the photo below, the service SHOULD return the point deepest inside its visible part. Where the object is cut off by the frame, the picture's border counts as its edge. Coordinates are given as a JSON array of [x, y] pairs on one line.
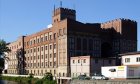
[[63, 74]]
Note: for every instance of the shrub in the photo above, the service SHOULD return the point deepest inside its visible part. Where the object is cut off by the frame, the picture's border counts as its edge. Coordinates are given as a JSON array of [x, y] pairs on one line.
[[39, 81], [31, 75], [49, 82], [48, 76]]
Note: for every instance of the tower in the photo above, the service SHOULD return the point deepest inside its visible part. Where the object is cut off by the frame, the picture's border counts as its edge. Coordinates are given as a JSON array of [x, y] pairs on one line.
[[63, 13]]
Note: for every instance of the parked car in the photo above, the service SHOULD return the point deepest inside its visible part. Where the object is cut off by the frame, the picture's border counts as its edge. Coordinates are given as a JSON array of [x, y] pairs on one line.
[[83, 77], [99, 77]]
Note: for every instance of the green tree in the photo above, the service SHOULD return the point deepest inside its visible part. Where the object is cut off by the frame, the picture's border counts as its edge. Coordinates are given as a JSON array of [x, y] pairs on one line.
[[3, 49], [48, 76]]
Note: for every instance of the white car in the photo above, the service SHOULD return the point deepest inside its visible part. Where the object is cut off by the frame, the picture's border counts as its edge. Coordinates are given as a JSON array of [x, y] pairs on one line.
[[99, 77]]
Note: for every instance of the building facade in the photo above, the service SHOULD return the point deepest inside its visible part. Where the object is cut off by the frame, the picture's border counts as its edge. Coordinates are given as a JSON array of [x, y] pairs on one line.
[[131, 58], [89, 65], [130, 67], [50, 50], [122, 37], [16, 57]]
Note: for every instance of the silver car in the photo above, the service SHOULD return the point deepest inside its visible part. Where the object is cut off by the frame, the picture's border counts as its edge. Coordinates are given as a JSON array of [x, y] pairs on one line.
[[99, 77]]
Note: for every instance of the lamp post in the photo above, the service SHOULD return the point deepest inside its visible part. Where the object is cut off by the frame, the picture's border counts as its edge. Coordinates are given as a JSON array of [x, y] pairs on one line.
[[81, 66]]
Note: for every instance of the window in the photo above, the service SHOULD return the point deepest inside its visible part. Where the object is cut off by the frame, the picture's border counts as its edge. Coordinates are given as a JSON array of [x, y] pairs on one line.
[[38, 56], [54, 55], [38, 40], [63, 74], [84, 60], [38, 64], [50, 46], [42, 63], [60, 74], [50, 37], [73, 61], [96, 61], [54, 72], [41, 48], [50, 55], [42, 56], [54, 46], [27, 44], [31, 50], [54, 63], [31, 64], [46, 55], [30, 42], [78, 61], [71, 43], [127, 60], [79, 43], [34, 41], [46, 47], [34, 57], [54, 35], [41, 40], [138, 59], [85, 44], [34, 50], [38, 49], [46, 38], [50, 63], [46, 64], [90, 44]]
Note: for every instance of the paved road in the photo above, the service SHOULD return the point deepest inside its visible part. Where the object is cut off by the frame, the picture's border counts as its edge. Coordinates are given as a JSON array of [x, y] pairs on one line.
[[7, 82]]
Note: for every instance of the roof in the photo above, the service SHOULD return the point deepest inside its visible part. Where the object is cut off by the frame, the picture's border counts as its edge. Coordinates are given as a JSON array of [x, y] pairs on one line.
[[130, 53], [88, 56]]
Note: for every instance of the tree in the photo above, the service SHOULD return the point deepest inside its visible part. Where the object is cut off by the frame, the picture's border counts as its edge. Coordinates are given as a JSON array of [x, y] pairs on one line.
[[3, 49], [48, 76]]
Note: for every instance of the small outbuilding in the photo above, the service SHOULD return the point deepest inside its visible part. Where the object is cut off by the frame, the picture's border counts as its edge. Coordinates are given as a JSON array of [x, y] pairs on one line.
[[121, 72]]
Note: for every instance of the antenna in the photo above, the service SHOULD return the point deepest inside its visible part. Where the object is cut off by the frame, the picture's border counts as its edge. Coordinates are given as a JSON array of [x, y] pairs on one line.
[[60, 3], [54, 7]]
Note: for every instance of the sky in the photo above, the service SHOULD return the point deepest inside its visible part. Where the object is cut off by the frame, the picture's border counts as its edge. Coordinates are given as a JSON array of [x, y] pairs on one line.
[[25, 17]]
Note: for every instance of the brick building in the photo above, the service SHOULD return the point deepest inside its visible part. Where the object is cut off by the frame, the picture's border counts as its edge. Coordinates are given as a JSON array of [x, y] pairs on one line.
[[50, 50], [16, 57]]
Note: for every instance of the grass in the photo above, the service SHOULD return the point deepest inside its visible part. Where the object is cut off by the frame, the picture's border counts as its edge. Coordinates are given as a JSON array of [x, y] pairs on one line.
[[28, 80]]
